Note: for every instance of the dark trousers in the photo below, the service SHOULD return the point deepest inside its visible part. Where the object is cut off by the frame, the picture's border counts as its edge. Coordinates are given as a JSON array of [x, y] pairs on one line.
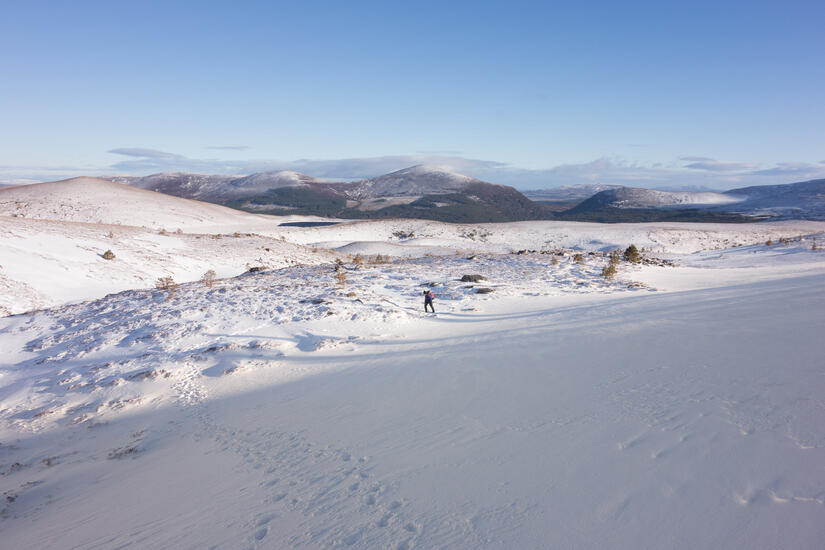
[[428, 303]]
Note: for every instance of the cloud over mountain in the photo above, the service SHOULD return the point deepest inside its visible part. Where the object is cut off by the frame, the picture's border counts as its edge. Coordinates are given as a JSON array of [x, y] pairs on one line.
[[685, 172]]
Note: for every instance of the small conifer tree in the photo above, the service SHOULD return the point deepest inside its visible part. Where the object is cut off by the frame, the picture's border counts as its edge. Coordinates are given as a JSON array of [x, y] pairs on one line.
[[631, 254]]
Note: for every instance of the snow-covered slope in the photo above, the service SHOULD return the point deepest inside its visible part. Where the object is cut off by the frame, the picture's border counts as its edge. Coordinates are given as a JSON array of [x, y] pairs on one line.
[[178, 184], [794, 200], [216, 187], [417, 237], [46, 263], [91, 200], [284, 410], [803, 200], [633, 197], [416, 180], [264, 181]]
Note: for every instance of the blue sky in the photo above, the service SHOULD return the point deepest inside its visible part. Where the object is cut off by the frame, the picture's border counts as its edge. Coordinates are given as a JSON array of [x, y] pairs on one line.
[[717, 94]]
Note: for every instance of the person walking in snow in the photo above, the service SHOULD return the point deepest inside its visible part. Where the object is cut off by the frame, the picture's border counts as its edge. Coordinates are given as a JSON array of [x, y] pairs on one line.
[[428, 300]]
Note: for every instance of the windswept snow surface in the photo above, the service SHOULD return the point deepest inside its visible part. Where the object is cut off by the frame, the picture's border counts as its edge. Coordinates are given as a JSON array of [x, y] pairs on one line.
[[287, 410]]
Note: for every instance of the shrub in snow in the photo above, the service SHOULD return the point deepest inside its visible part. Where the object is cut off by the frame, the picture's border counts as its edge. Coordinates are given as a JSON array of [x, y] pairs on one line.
[[472, 278], [578, 258], [358, 260], [768, 242], [609, 270], [554, 261], [166, 283], [108, 255], [341, 277], [208, 278], [631, 254]]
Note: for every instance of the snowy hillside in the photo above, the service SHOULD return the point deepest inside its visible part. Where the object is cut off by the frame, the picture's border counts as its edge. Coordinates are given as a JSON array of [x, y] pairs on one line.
[[306, 407], [414, 181], [91, 200], [215, 187], [47, 263], [795, 200], [44, 263], [264, 181], [803, 200], [178, 184], [632, 197]]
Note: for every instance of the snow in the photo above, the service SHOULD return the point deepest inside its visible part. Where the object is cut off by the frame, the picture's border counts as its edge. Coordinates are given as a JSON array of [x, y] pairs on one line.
[[677, 405], [630, 197], [414, 181]]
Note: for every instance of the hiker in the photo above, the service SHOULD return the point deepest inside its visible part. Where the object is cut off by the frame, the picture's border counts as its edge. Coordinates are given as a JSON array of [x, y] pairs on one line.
[[428, 300]]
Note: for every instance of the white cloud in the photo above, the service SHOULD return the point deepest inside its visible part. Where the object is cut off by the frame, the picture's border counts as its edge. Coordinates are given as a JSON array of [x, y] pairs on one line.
[[684, 173], [145, 153]]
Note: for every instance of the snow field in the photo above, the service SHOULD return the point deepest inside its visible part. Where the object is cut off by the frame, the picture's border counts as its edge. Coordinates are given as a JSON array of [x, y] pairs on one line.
[[584, 418], [308, 407]]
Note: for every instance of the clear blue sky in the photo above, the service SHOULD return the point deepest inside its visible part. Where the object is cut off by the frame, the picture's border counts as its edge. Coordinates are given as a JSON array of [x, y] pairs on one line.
[[523, 93]]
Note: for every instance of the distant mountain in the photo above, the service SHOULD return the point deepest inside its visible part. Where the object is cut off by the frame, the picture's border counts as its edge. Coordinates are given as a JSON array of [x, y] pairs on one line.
[[803, 200], [417, 180], [634, 197], [433, 192], [426, 192], [179, 184], [567, 193]]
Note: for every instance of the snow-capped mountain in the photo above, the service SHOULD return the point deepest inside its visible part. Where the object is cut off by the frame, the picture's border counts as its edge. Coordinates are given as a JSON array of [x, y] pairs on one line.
[[179, 184], [803, 200], [417, 180], [265, 181], [633, 197], [216, 187], [412, 192]]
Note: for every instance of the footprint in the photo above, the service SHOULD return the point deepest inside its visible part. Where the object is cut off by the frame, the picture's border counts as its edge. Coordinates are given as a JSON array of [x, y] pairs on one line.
[[385, 520], [261, 533]]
